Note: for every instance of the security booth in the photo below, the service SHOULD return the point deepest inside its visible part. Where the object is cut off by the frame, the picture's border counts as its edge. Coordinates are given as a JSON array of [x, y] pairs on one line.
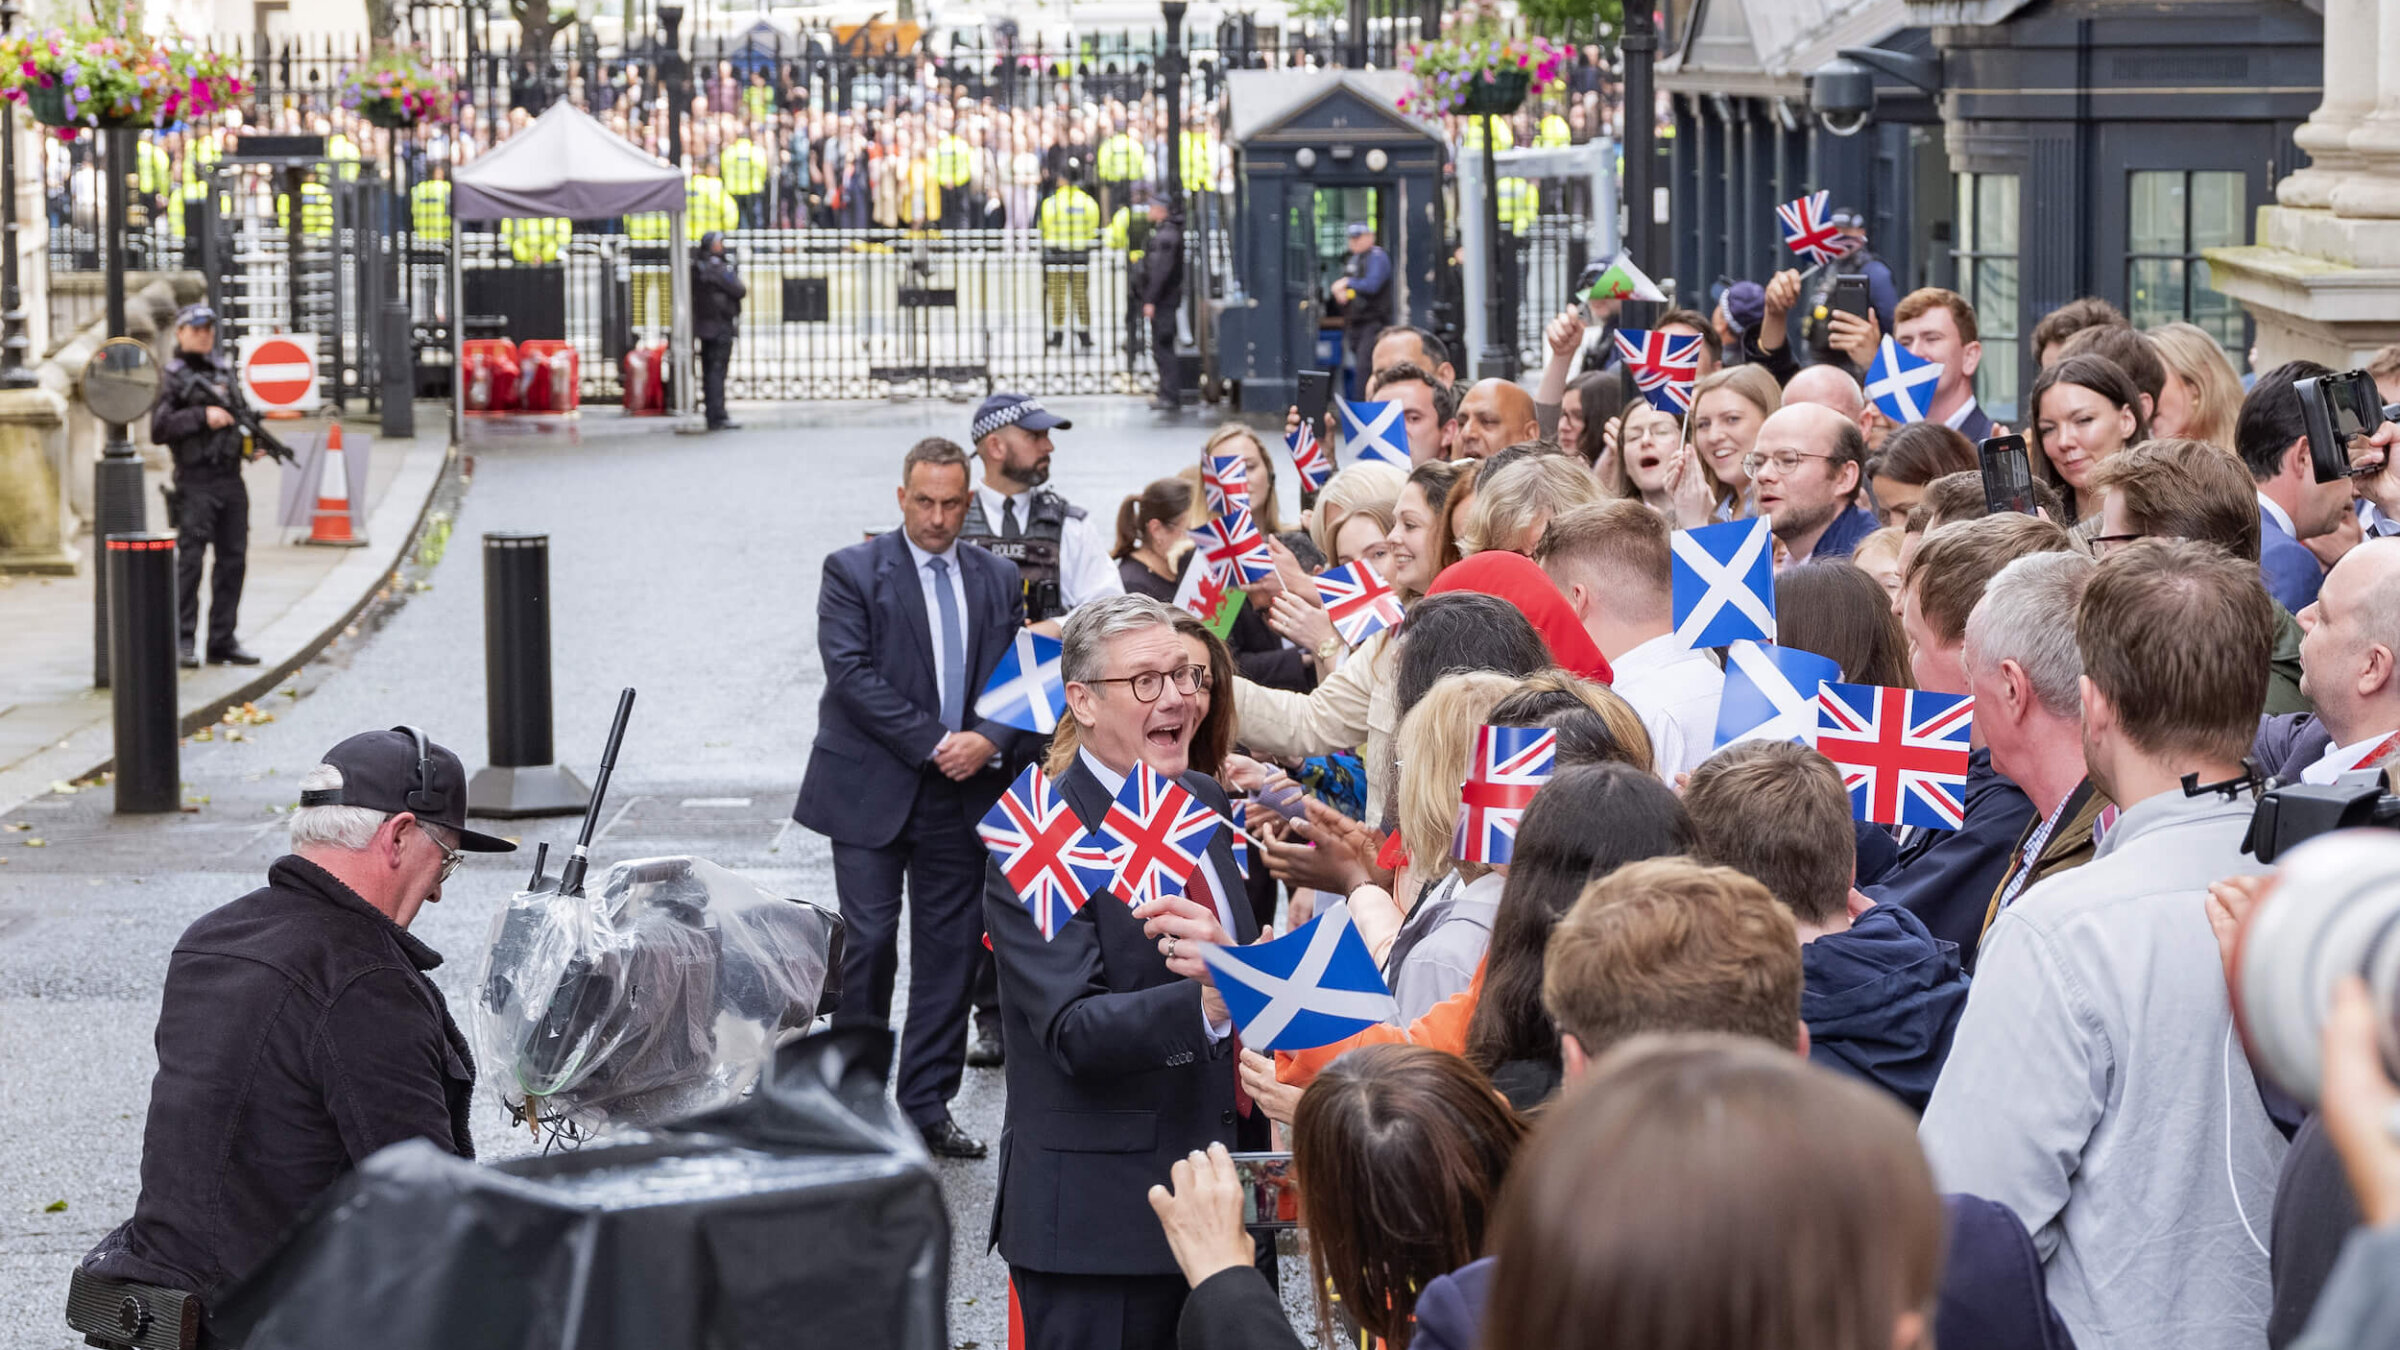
[[1313, 151]]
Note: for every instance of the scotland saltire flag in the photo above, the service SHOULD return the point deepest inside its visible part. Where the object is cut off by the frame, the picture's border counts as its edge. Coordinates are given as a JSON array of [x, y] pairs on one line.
[[1901, 382], [1664, 366], [1372, 431], [1226, 480], [1360, 603], [1027, 691], [1510, 765], [1314, 986], [1156, 834], [1309, 457], [1232, 541], [1807, 232], [1771, 693], [1029, 832], [1725, 583], [1902, 752]]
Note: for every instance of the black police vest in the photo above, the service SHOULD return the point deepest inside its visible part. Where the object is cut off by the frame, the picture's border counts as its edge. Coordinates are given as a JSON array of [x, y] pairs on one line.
[[1035, 550], [1366, 309]]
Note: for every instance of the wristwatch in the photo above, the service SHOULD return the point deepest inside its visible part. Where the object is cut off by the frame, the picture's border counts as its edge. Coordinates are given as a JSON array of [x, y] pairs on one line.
[[1329, 651]]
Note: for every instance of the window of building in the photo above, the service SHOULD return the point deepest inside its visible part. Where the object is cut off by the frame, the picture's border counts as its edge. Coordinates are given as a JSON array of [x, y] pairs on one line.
[[1987, 277], [2170, 216]]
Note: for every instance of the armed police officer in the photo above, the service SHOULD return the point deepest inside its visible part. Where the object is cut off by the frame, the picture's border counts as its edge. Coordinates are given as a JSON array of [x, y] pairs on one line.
[[1016, 515], [298, 1031], [193, 419]]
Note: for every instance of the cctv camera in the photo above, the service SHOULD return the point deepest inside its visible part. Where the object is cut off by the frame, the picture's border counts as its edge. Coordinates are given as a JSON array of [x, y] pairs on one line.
[[1842, 95]]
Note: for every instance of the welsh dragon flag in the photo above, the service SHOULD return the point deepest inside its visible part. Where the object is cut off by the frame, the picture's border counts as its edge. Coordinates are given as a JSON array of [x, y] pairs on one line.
[[1621, 280], [1211, 594]]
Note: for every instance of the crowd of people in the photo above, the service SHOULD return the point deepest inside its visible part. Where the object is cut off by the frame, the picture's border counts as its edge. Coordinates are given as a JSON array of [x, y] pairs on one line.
[[2026, 1118]]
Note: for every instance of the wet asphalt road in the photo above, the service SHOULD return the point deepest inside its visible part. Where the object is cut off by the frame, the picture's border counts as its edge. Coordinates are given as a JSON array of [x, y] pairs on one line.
[[684, 566]]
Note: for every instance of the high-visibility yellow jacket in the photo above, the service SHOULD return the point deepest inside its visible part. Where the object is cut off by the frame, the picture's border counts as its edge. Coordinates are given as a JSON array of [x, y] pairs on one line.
[[953, 162], [1553, 132], [1470, 134], [1069, 220], [758, 100], [1123, 160], [316, 210], [1199, 161], [707, 205], [648, 227], [1516, 204], [339, 149], [151, 172], [536, 239], [1119, 234], [745, 167], [200, 154], [429, 211]]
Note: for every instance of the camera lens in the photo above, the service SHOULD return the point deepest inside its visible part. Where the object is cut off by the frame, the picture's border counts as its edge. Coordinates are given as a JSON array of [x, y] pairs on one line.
[[2335, 911]]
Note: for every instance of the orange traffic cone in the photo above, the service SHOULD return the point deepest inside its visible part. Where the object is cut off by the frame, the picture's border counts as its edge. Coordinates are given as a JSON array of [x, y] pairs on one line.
[[331, 524]]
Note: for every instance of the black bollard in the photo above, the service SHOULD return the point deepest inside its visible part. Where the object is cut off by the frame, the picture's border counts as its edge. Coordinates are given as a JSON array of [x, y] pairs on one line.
[[141, 653], [521, 780]]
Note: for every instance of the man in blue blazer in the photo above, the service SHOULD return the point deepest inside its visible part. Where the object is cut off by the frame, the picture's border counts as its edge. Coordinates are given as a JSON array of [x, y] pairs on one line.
[[2272, 439], [1120, 1060], [910, 625]]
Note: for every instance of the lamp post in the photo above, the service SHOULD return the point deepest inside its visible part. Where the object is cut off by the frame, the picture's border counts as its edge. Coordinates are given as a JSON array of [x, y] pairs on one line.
[[117, 506], [673, 75], [1640, 46], [1498, 359], [14, 373], [1170, 74]]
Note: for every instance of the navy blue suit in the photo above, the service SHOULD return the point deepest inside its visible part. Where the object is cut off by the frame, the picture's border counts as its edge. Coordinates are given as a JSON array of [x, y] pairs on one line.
[[871, 788], [2291, 572], [1946, 877], [1112, 1076]]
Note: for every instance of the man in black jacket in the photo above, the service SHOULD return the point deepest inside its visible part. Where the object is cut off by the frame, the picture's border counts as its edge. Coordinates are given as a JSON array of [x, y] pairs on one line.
[[212, 508], [717, 293], [1162, 294], [298, 1032]]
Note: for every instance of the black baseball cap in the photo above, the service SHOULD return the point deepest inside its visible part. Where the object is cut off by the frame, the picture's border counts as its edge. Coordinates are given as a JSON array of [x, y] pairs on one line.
[[1016, 410], [400, 770]]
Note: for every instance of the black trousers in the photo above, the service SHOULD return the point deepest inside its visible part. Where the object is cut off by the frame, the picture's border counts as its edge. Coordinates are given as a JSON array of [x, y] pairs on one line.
[[213, 512], [1359, 341], [1098, 1312], [715, 355], [1162, 350], [941, 860]]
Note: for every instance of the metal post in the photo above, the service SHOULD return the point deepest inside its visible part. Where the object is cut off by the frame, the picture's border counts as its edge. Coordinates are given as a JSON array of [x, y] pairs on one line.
[[141, 570], [1356, 58], [1499, 355], [521, 780], [1170, 70], [673, 75], [14, 373], [1640, 46], [117, 506]]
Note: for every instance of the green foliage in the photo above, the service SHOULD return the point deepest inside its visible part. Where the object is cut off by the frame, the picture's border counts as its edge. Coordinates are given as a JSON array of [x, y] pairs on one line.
[[1317, 9], [1573, 18]]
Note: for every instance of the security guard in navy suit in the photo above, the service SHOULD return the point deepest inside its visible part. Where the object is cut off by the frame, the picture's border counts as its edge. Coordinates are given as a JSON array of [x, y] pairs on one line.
[[910, 625]]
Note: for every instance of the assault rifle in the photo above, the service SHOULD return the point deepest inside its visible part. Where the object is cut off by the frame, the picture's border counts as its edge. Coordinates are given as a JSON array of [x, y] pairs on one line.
[[188, 386]]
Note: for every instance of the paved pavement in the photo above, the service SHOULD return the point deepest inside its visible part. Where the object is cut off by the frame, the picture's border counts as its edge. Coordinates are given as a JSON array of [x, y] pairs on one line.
[[684, 566]]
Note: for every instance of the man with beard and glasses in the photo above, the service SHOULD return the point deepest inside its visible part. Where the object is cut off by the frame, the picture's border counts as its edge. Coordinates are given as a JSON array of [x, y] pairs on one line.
[[1806, 466], [1062, 560]]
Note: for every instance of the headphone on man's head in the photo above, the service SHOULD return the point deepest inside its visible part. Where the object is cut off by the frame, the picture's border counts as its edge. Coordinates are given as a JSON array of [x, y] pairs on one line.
[[420, 798]]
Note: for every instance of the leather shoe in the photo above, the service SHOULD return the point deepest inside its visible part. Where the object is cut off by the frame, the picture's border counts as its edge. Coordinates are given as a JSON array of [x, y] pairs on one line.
[[984, 1051], [187, 656], [725, 426], [943, 1139], [235, 655]]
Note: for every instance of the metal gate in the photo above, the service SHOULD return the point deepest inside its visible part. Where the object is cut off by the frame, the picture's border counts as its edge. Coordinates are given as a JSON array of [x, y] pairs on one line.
[[321, 273]]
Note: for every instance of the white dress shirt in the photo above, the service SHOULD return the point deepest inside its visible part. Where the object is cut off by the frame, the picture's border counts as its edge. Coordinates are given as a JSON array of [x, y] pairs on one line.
[[2342, 759], [933, 620], [1959, 417], [1207, 877], [2277, 514], [1676, 691], [1085, 571]]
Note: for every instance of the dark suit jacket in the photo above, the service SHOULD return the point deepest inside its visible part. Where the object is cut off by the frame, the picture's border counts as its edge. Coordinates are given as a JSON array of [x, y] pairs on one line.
[[881, 714], [1111, 1073], [1235, 1310], [1947, 876], [2291, 572]]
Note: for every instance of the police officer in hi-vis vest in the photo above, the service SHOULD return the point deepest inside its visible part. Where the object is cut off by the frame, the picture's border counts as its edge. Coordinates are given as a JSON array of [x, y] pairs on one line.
[[1058, 554]]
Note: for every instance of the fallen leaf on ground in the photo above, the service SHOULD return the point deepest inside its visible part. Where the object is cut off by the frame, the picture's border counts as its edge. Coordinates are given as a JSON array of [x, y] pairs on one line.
[[55, 1207]]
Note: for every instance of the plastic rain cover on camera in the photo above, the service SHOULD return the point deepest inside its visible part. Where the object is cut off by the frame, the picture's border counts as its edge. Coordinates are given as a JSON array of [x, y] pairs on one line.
[[804, 1217], [660, 995]]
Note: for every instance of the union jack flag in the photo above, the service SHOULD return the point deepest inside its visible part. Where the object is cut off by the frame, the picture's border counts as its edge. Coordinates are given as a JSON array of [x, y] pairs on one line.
[[1902, 752], [1807, 232], [1232, 540], [1510, 765], [1309, 457], [1226, 480], [1030, 832], [1156, 833], [1359, 602], [1664, 366]]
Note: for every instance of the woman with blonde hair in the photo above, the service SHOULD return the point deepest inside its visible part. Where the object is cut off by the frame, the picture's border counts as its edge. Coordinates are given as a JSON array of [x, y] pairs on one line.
[[1516, 504], [1728, 408], [1371, 490], [1231, 439], [1441, 942], [2203, 395]]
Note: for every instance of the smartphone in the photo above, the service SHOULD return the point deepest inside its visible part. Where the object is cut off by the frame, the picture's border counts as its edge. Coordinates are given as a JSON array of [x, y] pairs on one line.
[[1849, 294], [2335, 408], [1284, 797], [1269, 1199], [1315, 395], [2007, 475]]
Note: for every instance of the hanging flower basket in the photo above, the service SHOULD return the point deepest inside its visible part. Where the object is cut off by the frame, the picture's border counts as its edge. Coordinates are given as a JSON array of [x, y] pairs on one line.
[[1478, 67], [398, 88], [91, 77], [1498, 93]]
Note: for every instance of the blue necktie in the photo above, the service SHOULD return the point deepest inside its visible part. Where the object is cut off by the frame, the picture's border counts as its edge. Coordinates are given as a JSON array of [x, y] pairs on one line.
[[954, 647]]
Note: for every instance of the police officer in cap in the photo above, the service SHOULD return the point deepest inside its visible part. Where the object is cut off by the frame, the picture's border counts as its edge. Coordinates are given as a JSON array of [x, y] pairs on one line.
[[1063, 561], [299, 1032], [212, 508]]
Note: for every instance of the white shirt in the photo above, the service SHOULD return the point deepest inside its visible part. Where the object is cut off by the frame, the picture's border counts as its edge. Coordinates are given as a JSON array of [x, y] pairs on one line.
[[2374, 521], [1223, 888], [933, 610], [2277, 514], [1958, 418], [1085, 571], [1676, 690], [2342, 759]]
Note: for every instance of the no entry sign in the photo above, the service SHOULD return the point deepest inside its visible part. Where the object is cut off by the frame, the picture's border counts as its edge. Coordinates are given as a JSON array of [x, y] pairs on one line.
[[279, 371]]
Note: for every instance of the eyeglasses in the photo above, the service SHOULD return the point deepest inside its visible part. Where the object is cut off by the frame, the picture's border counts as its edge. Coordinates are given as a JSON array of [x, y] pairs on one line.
[[1148, 685], [2105, 544], [1784, 461], [451, 857]]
